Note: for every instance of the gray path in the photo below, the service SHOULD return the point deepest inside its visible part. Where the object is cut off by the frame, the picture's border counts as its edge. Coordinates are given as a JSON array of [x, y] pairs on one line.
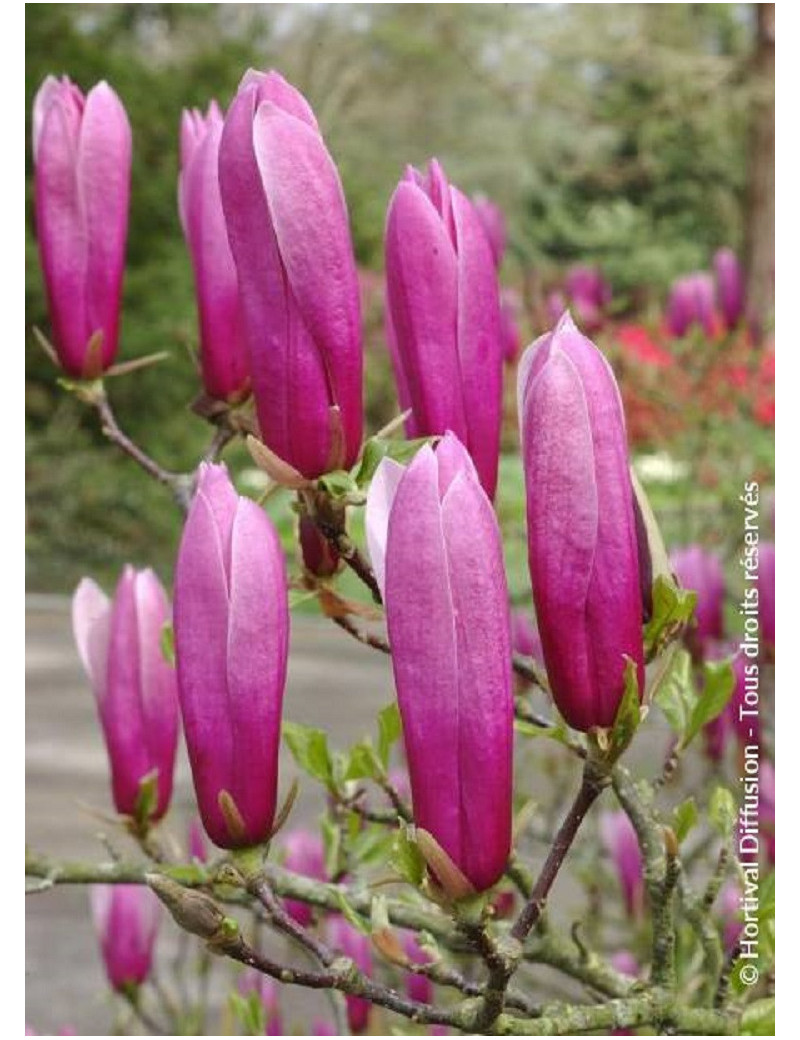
[[333, 683]]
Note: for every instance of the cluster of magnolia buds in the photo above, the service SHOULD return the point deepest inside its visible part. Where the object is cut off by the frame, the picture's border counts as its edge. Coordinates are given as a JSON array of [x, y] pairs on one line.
[[710, 302], [265, 220], [266, 223]]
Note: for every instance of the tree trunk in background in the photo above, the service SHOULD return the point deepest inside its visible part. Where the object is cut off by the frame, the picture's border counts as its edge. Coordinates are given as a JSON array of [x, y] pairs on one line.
[[760, 217]]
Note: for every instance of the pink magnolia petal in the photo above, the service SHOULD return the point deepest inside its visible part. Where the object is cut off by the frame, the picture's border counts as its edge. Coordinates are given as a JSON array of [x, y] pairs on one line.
[[103, 173], [422, 282], [403, 392], [452, 458], [562, 527], [201, 642], [159, 692], [263, 291], [380, 499], [258, 639], [480, 343], [271, 86], [222, 349], [61, 232], [91, 612], [485, 707], [122, 712], [309, 215], [424, 656]]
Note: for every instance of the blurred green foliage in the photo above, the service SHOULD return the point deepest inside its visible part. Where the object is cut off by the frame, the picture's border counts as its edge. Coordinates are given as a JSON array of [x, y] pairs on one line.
[[609, 133]]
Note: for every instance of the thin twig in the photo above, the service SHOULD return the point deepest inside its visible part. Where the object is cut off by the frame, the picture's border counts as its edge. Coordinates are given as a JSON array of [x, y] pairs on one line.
[[592, 785], [178, 483], [260, 888], [367, 638], [529, 669]]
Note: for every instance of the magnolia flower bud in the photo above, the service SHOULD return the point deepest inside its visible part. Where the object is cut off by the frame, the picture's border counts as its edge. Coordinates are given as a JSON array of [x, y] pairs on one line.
[[231, 642], [622, 845], [287, 224], [582, 546], [126, 921], [82, 155], [448, 620], [119, 643], [223, 357], [444, 316]]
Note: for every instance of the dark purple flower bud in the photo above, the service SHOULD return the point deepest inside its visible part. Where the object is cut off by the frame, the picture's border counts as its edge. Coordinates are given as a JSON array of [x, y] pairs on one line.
[[304, 854], [582, 545], [509, 320], [525, 637], [454, 692], [700, 571], [82, 156], [126, 921], [444, 316], [231, 642], [691, 302], [355, 945], [266, 988], [418, 987], [729, 910], [730, 287], [288, 229], [622, 845], [624, 962], [119, 643], [494, 224], [198, 849], [223, 355], [319, 557]]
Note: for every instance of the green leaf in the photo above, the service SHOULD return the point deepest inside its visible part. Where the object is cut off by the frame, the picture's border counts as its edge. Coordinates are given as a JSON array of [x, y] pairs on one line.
[[338, 483], [379, 914], [371, 846], [758, 1018], [332, 843], [146, 798], [629, 713], [722, 811], [309, 746], [374, 452], [407, 859], [676, 695], [558, 732], [389, 730], [673, 608], [655, 541], [300, 596], [355, 919], [766, 897], [167, 643], [377, 448], [362, 762], [249, 1012], [684, 817], [718, 684]]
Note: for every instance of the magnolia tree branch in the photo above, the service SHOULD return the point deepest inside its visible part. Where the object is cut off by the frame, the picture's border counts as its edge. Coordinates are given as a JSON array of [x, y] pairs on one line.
[[541, 949], [628, 1008], [330, 523], [180, 484], [367, 638], [654, 1008], [531, 671], [592, 784]]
